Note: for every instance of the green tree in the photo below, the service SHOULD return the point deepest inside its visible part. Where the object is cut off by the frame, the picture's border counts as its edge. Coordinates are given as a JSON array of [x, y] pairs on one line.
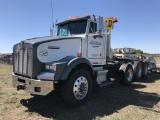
[[139, 51]]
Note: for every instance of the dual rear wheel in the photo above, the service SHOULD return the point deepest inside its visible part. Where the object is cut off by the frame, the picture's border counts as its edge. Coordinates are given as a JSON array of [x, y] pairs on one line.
[[137, 68], [128, 72], [125, 74]]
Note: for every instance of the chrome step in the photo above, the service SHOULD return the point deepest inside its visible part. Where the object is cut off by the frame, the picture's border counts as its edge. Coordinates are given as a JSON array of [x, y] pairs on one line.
[[101, 75], [102, 72]]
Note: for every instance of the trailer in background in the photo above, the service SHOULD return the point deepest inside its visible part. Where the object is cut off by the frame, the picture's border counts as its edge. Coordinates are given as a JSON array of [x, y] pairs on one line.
[[6, 58]]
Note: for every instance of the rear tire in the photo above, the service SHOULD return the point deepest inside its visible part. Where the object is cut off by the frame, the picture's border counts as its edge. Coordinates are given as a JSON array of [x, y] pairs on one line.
[[125, 74], [144, 69], [137, 69], [77, 89]]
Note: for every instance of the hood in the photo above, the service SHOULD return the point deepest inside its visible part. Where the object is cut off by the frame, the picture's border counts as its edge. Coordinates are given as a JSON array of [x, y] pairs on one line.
[[49, 38]]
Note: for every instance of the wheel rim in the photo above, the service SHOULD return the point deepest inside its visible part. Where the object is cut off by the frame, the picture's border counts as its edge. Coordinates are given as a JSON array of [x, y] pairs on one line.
[[130, 75], [80, 88], [139, 71]]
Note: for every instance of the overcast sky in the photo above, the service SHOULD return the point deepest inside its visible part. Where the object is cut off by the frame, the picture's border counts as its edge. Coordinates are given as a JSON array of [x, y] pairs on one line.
[[138, 26]]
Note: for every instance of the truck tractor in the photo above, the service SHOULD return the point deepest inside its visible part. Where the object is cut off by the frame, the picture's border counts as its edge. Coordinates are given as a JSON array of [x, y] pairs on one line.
[[76, 60]]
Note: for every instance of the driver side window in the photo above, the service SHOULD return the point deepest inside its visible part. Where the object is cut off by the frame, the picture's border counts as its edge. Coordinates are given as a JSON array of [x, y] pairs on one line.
[[63, 31], [93, 27]]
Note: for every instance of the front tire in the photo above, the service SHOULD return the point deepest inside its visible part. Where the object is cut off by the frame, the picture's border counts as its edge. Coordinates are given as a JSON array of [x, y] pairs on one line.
[[77, 89]]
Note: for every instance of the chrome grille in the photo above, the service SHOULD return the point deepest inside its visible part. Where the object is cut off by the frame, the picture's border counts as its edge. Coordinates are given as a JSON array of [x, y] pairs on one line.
[[22, 59]]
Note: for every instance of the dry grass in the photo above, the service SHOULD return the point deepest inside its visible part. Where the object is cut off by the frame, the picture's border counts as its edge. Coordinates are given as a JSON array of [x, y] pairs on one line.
[[157, 59], [140, 101]]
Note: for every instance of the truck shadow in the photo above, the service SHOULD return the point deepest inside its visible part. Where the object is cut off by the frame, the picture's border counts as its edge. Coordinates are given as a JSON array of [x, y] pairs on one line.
[[104, 102], [151, 78]]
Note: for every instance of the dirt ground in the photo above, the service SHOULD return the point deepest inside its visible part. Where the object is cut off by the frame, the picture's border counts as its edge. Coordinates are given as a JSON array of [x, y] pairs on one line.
[[140, 101]]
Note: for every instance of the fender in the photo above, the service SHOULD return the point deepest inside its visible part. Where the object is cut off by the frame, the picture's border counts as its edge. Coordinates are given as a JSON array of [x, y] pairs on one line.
[[71, 62]]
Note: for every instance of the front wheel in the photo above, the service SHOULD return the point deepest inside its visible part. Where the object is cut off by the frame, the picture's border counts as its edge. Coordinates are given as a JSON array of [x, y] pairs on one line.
[[77, 89]]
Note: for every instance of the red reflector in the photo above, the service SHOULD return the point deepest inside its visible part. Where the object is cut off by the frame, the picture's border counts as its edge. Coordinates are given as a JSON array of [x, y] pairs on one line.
[[95, 62]]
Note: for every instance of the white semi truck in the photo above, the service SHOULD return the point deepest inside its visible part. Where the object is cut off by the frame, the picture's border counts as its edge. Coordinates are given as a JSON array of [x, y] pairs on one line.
[[76, 61]]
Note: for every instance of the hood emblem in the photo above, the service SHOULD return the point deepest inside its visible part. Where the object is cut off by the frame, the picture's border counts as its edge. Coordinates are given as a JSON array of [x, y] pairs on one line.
[[43, 53]]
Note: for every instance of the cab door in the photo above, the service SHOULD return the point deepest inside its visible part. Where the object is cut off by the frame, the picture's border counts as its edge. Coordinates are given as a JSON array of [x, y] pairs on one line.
[[96, 43], [96, 47]]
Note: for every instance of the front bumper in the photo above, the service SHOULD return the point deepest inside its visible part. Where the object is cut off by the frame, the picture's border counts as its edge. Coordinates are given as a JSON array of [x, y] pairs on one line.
[[33, 86]]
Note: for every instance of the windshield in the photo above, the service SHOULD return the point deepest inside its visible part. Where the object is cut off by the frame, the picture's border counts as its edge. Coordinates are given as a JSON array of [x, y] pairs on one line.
[[73, 27]]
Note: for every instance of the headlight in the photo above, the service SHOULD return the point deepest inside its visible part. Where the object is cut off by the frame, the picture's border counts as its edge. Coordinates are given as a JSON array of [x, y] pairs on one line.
[[51, 67], [47, 67], [54, 67]]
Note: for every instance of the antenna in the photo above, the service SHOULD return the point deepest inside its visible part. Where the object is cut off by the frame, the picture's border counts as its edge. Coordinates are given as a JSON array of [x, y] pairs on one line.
[[52, 27], [52, 14], [56, 28], [56, 20]]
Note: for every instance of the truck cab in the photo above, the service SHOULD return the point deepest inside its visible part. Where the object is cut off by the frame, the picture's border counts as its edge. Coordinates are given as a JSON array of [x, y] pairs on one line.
[[93, 43]]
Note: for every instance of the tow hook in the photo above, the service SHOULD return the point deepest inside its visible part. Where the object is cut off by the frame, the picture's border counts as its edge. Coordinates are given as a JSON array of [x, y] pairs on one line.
[[20, 87]]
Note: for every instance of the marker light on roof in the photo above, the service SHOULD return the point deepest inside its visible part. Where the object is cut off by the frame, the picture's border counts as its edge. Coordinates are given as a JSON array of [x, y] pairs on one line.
[[115, 19], [72, 17]]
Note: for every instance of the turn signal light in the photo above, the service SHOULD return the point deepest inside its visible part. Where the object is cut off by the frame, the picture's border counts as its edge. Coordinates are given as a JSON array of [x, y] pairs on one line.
[[79, 54]]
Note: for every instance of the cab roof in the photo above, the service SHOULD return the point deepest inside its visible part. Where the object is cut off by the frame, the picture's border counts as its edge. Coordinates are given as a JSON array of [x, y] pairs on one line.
[[73, 19]]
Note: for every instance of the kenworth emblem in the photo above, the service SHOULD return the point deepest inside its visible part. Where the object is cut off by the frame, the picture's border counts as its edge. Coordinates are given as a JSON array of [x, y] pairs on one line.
[[43, 53]]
